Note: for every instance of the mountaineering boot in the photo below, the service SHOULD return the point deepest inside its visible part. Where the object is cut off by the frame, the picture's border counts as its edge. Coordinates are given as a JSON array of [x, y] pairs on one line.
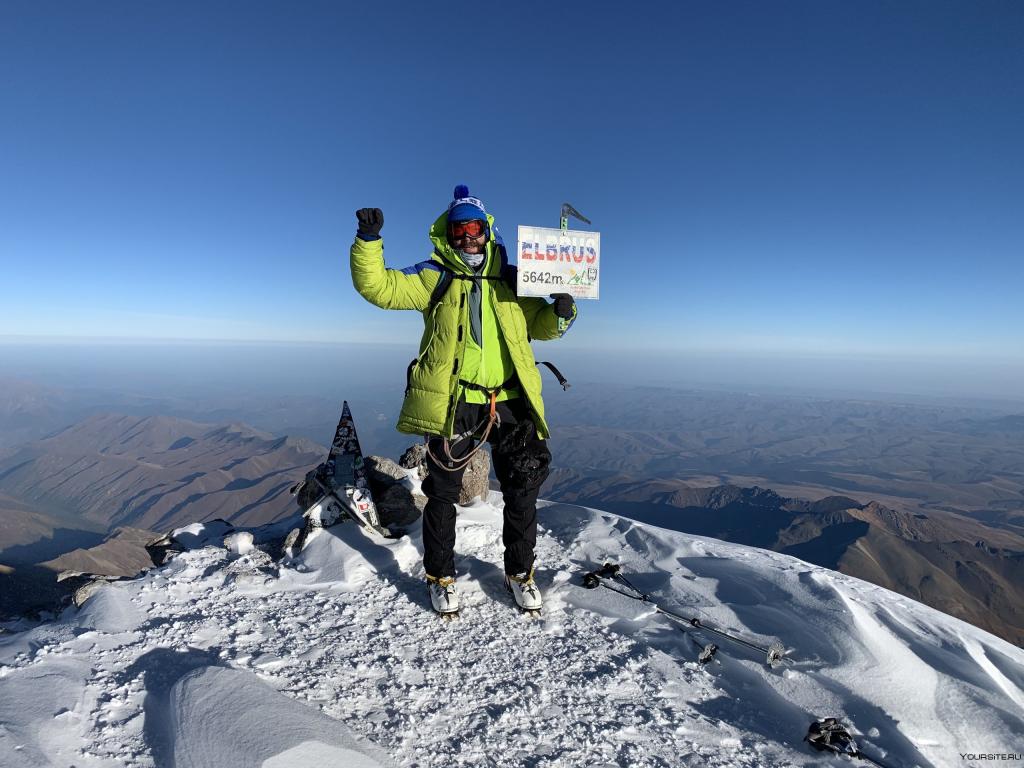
[[524, 590], [443, 596]]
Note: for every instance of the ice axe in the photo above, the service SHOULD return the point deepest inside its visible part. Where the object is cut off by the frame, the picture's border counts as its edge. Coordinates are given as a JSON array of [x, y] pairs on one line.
[[563, 224], [567, 211]]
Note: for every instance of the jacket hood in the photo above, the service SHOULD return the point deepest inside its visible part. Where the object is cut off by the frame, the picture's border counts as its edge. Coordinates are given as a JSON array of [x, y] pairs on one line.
[[444, 253]]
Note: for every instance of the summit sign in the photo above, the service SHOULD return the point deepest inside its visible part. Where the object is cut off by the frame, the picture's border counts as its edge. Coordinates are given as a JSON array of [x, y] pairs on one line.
[[559, 261]]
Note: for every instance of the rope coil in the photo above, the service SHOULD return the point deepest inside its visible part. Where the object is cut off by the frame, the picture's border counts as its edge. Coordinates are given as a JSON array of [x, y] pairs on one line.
[[454, 464]]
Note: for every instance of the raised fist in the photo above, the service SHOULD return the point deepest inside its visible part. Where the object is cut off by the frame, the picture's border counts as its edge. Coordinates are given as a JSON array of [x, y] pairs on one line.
[[370, 222]]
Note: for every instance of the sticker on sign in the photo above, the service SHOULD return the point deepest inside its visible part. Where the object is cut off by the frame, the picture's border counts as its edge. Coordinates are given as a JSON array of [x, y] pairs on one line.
[[559, 261]]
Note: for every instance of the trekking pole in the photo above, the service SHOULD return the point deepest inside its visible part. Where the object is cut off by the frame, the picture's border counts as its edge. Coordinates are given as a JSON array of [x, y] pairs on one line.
[[774, 653]]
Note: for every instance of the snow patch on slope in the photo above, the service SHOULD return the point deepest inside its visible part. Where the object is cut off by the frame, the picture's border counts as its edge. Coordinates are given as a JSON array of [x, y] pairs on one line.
[[240, 661], [221, 716]]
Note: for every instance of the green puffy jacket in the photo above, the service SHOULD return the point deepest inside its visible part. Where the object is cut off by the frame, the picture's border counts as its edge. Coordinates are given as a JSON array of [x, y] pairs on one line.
[[434, 388]]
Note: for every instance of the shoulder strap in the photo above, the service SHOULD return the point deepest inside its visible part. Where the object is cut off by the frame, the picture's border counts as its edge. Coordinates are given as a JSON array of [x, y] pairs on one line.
[[509, 272], [507, 276], [441, 288]]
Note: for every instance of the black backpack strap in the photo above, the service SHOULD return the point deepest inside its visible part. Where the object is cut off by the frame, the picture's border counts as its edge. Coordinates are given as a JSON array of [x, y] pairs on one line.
[[447, 276], [509, 272], [558, 374], [441, 288], [510, 277], [408, 374]]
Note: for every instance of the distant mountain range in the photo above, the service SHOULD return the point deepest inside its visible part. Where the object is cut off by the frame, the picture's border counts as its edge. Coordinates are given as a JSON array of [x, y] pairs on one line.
[[953, 563], [28, 410], [88, 497], [68, 490], [914, 456], [157, 472]]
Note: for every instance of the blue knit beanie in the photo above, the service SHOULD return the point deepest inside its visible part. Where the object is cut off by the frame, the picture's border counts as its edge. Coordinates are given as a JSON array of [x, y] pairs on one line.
[[464, 207]]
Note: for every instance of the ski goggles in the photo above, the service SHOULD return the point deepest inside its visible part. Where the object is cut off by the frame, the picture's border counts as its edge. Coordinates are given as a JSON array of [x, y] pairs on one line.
[[471, 228]]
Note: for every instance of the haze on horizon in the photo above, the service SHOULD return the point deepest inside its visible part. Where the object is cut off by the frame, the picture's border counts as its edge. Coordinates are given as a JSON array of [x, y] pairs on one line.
[[201, 370]]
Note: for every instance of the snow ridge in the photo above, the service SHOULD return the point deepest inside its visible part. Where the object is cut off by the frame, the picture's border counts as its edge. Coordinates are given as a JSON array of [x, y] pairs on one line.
[[334, 658]]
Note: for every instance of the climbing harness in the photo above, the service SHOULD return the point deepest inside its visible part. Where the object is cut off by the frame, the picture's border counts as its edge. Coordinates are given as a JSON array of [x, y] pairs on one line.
[[492, 420]]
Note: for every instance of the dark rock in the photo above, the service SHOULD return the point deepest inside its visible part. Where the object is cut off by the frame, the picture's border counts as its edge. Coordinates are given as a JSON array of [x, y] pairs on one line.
[[415, 457], [396, 503]]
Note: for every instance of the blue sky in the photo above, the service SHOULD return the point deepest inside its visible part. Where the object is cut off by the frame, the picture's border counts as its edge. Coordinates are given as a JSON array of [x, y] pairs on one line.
[[790, 178]]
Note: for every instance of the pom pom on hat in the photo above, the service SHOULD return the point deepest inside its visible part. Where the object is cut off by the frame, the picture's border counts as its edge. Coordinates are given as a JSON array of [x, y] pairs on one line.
[[464, 207]]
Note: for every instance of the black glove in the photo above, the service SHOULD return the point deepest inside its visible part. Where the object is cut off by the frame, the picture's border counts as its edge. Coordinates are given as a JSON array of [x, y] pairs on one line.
[[563, 304], [370, 222]]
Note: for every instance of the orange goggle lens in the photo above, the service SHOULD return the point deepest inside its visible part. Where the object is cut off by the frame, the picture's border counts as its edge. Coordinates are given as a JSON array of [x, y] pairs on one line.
[[473, 228]]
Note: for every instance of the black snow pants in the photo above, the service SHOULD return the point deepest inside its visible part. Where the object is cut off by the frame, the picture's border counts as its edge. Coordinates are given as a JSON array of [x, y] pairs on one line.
[[521, 462]]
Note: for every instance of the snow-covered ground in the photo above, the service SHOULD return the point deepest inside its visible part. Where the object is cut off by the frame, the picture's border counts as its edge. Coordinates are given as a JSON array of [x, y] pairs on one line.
[[334, 659]]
